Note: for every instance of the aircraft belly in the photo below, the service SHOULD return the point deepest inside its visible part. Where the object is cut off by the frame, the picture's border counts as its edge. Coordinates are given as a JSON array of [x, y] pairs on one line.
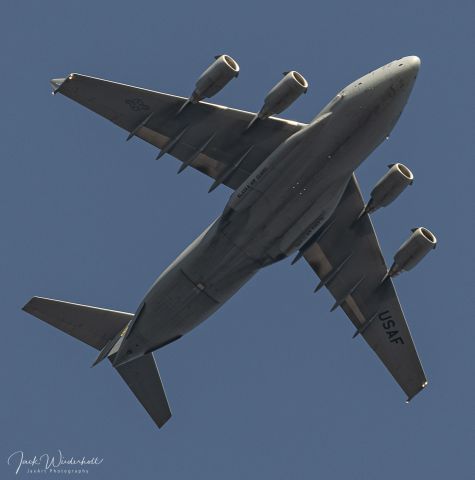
[[297, 189], [193, 289], [219, 266], [290, 204], [174, 307]]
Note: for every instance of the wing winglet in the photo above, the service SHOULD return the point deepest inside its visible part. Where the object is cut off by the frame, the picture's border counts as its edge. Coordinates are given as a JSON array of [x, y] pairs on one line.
[[56, 84]]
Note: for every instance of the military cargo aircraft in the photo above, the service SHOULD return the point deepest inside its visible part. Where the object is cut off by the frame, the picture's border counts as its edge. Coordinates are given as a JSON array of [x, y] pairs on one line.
[[294, 191]]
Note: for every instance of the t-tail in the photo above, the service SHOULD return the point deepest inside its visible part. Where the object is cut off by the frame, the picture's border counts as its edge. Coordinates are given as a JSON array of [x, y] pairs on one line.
[[104, 329]]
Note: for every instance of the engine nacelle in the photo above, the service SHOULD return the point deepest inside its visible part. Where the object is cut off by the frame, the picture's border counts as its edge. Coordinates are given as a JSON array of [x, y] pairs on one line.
[[413, 250], [389, 187], [283, 94], [215, 78]]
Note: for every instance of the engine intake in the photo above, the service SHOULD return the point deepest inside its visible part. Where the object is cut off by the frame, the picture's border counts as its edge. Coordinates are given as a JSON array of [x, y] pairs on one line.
[[413, 250], [389, 187], [283, 94], [215, 78]]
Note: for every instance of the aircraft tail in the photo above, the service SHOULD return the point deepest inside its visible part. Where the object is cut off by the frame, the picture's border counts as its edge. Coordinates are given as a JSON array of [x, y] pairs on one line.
[[143, 378], [99, 328]]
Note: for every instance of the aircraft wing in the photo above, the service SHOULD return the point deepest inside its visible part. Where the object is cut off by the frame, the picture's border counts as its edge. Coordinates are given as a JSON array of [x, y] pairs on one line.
[[211, 138], [348, 260]]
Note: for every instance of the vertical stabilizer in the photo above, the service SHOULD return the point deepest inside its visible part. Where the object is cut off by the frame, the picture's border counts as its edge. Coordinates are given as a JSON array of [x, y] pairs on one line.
[[102, 329]]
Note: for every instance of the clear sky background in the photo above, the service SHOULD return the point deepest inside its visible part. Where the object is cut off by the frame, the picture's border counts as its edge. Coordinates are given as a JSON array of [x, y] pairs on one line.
[[272, 386]]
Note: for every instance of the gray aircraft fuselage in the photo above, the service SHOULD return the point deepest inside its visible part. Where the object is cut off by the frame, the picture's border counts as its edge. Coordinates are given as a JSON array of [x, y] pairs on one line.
[[274, 211]]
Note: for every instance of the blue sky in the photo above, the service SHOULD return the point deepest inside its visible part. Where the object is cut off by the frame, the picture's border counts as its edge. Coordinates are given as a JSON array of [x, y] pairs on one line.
[[272, 386]]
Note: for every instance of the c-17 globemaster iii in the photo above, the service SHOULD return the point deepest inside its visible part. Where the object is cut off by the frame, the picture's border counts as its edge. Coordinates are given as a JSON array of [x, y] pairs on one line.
[[294, 192]]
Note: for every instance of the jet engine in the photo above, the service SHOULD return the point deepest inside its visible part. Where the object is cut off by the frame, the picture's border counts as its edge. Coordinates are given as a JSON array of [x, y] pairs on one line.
[[283, 94], [389, 187], [215, 78], [413, 250]]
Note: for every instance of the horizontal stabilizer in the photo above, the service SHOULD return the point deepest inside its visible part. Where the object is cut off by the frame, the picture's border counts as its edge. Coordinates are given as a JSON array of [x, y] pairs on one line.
[[92, 325], [143, 378]]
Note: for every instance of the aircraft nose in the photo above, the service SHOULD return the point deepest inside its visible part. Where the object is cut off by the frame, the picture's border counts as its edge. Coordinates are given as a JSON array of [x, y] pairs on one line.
[[410, 66], [412, 63], [405, 70]]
